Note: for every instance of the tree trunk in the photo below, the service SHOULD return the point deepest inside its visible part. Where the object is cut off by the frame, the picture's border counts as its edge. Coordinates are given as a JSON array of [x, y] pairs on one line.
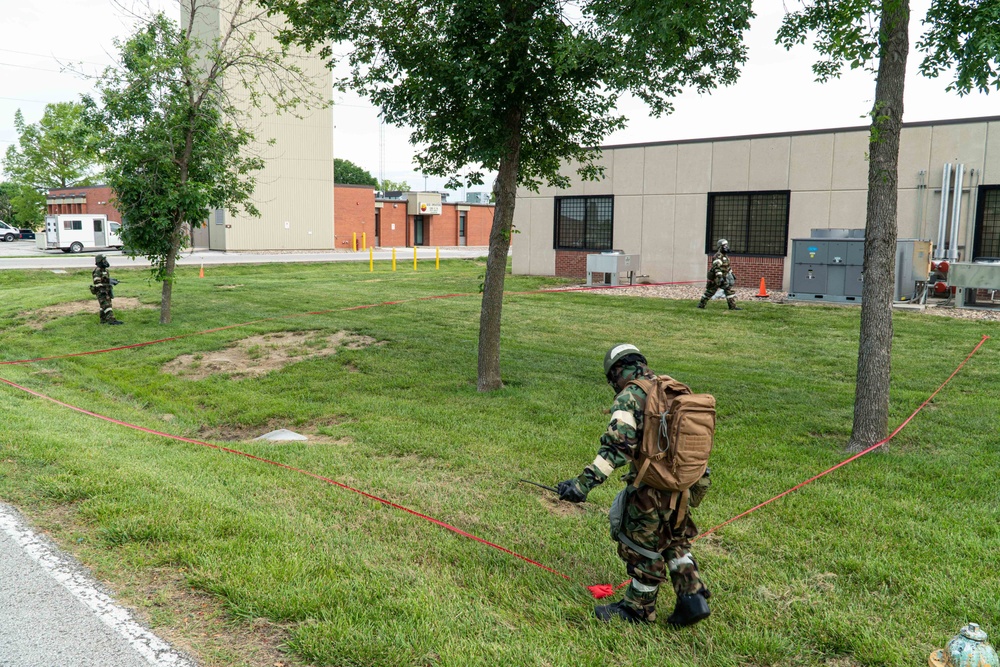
[[871, 399], [496, 263], [168, 274]]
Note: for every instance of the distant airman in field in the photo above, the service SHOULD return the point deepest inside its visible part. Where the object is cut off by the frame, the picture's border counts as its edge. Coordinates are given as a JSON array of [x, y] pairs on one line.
[[721, 276], [102, 289]]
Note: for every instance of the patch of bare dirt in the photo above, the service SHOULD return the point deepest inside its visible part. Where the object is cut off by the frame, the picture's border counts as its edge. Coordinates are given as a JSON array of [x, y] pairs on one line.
[[38, 318], [258, 355], [228, 286], [560, 507]]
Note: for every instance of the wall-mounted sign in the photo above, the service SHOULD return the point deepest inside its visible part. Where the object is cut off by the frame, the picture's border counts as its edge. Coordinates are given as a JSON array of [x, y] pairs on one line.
[[423, 203], [430, 209]]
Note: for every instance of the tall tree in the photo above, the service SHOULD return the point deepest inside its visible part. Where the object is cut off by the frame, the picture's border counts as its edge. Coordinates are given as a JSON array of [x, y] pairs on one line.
[[519, 87], [173, 122], [346, 172], [874, 35], [388, 185], [59, 151]]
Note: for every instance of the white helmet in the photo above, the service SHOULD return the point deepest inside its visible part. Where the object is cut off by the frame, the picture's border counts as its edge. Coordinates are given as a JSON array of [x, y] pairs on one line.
[[723, 243]]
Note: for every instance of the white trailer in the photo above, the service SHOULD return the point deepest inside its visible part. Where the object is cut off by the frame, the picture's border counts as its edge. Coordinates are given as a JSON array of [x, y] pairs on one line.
[[76, 232]]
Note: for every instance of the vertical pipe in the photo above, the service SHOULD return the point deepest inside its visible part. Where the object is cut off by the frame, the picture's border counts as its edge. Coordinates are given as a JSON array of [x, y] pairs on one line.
[[956, 213], [393, 259], [437, 258], [414, 258], [364, 241], [354, 241], [943, 216], [371, 260]]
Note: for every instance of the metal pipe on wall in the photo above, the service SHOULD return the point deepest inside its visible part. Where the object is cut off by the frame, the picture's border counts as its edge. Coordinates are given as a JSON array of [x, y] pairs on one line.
[[956, 214], [943, 216]]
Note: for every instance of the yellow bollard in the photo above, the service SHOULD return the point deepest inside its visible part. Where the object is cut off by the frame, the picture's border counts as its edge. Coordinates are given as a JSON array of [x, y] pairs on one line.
[[354, 241], [414, 258], [364, 242], [437, 259], [371, 260], [393, 259]]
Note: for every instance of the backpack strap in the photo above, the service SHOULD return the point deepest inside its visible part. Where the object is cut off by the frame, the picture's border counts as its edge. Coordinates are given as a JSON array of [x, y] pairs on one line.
[[681, 498]]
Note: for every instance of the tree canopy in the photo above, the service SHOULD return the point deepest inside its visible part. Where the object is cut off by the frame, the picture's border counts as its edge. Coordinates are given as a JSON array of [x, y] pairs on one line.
[[346, 172], [520, 87]]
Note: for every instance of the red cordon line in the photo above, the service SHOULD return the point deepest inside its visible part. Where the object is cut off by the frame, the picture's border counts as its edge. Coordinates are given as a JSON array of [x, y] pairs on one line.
[[856, 456], [334, 482], [315, 312]]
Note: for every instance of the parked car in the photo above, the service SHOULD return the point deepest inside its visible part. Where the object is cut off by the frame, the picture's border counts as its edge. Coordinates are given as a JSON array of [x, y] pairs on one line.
[[8, 233], [27, 234]]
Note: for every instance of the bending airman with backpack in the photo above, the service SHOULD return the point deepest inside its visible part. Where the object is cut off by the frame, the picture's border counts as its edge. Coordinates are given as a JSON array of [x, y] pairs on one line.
[[664, 433]]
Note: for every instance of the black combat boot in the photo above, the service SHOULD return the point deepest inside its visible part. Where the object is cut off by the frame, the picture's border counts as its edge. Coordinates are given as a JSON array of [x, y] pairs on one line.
[[619, 610], [114, 321], [732, 304], [689, 610], [701, 304]]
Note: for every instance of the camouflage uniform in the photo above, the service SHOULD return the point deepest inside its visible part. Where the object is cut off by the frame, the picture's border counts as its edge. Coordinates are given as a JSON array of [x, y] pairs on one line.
[[648, 520], [720, 276], [102, 288]]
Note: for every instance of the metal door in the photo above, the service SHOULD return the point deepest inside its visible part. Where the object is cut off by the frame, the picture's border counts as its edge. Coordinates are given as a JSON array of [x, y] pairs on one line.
[[52, 231], [99, 239], [462, 217], [809, 278], [418, 230], [378, 228]]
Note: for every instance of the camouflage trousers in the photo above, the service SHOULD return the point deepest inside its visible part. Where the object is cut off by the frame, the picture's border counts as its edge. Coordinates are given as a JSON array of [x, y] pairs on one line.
[[711, 287], [649, 522], [107, 312]]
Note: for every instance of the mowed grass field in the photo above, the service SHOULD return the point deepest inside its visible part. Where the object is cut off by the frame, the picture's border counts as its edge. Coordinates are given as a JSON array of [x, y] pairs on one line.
[[241, 562]]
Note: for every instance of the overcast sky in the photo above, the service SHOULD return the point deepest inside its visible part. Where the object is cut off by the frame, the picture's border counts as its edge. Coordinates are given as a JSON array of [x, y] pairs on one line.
[[776, 92]]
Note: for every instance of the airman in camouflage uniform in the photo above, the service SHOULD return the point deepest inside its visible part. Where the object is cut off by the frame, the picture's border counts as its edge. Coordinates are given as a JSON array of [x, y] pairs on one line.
[[648, 521], [102, 289], [721, 276]]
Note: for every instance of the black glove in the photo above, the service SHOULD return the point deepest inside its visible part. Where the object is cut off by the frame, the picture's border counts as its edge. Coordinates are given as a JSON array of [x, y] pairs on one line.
[[570, 491]]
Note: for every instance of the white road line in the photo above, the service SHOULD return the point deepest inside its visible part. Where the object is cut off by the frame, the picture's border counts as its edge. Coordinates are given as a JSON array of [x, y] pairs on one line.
[[61, 568]]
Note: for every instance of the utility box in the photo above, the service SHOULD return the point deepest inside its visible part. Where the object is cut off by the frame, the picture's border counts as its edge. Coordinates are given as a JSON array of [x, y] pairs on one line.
[[829, 266], [613, 263]]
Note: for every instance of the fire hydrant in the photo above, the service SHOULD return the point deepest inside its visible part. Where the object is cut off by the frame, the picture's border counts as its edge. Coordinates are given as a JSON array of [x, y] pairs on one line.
[[968, 648]]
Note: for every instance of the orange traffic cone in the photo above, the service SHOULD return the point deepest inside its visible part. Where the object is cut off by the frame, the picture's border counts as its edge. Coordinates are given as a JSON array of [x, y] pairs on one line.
[[201, 274], [763, 291]]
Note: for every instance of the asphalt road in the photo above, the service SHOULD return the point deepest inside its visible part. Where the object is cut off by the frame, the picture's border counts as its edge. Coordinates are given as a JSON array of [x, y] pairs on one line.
[[53, 614], [24, 255]]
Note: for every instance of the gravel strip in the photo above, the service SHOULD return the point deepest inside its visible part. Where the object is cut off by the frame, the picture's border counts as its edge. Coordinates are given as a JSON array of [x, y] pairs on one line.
[[693, 293]]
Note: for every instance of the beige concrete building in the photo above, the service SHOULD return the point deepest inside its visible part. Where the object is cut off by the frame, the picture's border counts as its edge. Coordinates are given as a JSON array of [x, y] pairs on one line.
[[294, 191], [669, 201]]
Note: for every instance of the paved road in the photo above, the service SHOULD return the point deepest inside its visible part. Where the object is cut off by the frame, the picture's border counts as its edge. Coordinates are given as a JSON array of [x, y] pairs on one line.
[[24, 255], [53, 614]]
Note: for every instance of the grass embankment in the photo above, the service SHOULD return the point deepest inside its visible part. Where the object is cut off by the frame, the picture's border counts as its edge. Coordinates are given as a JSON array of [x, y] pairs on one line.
[[875, 564]]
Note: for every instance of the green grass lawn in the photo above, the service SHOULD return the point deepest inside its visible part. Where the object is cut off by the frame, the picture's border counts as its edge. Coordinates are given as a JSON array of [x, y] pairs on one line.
[[875, 564]]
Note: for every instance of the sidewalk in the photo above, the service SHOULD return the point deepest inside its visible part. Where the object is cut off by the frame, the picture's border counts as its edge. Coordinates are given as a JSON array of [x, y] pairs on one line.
[[53, 614]]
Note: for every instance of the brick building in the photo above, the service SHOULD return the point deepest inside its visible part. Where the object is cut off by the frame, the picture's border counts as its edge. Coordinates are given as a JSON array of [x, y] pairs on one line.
[[389, 223], [93, 199]]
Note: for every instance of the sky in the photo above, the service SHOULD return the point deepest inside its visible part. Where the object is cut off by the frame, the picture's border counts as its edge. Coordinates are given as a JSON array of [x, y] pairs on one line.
[[776, 92]]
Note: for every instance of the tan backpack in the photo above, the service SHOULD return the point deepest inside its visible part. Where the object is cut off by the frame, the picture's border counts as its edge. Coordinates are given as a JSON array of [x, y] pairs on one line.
[[678, 428]]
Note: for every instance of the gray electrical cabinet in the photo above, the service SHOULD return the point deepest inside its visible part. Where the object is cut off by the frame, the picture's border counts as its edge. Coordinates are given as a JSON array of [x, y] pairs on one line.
[[612, 263], [828, 266]]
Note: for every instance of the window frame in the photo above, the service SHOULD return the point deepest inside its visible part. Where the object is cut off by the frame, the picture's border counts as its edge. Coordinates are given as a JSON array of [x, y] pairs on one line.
[[710, 233], [557, 209], [977, 242]]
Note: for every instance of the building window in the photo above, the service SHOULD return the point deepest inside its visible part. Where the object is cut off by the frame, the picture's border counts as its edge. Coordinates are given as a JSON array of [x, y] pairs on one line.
[[73, 225], [988, 223], [584, 223], [754, 223]]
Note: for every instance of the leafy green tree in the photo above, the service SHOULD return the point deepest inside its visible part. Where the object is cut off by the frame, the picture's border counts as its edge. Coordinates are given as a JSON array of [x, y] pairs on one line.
[[346, 172], [21, 205], [172, 133], [59, 151], [394, 186], [520, 87], [874, 35]]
